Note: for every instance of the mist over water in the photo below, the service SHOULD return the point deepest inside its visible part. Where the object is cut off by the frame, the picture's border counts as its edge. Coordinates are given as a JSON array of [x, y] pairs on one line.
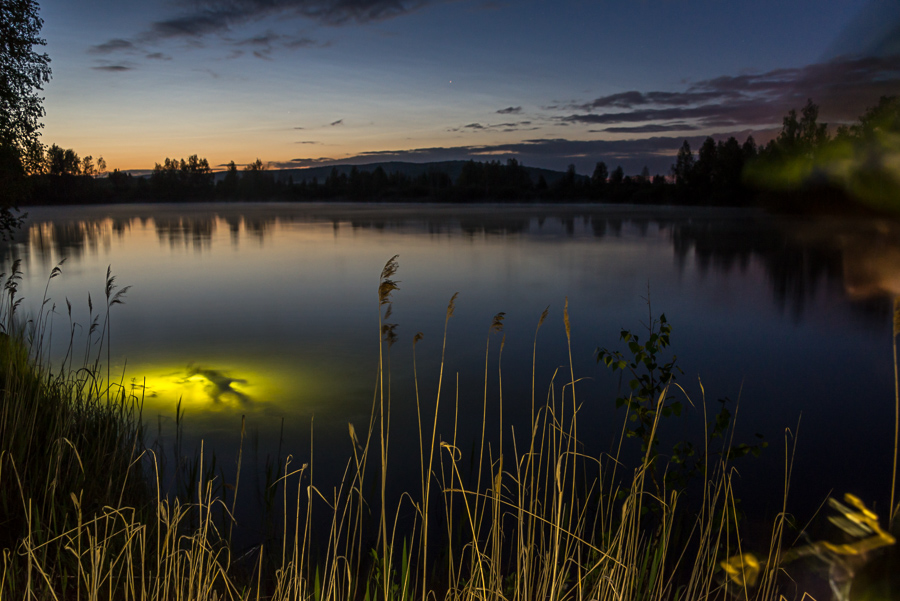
[[270, 311]]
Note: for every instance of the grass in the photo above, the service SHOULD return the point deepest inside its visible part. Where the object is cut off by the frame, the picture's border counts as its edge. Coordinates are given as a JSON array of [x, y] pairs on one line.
[[85, 516]]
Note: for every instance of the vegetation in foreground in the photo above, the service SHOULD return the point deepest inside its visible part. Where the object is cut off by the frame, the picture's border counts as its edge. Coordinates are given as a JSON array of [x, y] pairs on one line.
[[85, 515]]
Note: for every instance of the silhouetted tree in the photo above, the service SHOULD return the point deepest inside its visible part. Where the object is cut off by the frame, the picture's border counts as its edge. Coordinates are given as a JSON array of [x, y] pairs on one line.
[[230, 181], [617, 178], [684, 165], [23, 73], [749, 149], [176, 179], [598, 180], [62, 162]]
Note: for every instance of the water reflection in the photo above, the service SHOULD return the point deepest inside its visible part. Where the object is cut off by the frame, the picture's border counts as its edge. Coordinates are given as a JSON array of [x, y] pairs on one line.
[[196, 386], [203, 388], [799, 257]]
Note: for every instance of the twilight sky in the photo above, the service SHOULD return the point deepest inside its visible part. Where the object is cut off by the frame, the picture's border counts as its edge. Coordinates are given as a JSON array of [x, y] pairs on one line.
[[307, 82]]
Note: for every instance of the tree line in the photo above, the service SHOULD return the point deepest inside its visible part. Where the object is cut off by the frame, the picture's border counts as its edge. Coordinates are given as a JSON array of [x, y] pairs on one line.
[[795, 166]]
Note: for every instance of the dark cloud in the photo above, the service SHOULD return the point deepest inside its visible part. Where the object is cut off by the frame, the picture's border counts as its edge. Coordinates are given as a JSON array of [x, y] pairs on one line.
[[300, 42], [299, 163], [338, 122], [308, 142], [113, 68], [264, 40], [114, 45], [843, 88], [265, 43], [505, 127], [510, 110], [204, 17], [159, 56], [709, 114], [201, 18], [650, 128], [627, 100]]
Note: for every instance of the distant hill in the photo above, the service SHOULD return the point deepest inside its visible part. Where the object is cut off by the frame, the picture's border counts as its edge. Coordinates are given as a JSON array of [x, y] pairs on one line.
[[411, 170]]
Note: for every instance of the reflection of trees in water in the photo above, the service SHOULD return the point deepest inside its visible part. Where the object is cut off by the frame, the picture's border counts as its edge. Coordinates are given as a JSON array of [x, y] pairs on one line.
[[796, 267], [605, 226], [257, 227], [49, 242], [234, 227], [198, 231], [799, 260], [474, 226], [187, 232]]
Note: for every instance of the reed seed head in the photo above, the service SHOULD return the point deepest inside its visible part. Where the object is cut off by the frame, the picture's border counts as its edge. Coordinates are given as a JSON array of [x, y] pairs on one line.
[[451, 307], [497, 323]]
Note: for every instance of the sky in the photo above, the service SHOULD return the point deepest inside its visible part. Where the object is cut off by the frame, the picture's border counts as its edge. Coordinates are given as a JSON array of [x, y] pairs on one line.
[[300, 83]]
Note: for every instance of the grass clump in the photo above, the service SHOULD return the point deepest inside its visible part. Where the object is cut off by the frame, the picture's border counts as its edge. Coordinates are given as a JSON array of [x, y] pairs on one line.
[[69, 447]]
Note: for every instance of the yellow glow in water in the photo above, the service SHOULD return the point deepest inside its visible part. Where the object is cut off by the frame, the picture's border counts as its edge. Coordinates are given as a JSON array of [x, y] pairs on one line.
[[207, 388]]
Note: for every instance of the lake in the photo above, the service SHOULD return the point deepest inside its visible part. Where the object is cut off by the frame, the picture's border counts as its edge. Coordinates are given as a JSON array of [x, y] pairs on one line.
[[271, 312]]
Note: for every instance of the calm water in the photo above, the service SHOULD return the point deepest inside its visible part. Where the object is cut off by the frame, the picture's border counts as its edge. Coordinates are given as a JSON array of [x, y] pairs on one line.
[[270, 311]]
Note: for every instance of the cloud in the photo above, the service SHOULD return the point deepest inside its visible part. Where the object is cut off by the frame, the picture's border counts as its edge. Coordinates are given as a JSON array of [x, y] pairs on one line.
[[510, 110], [338, 122], [301, 42], [300, 163], [843, 88], [710, 115], [205, 17], [113, 68], [264, 44], [114, 45], [202, 18], [308, 142], [159, 56], [650, 128], [627, 100], [504, 127]]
